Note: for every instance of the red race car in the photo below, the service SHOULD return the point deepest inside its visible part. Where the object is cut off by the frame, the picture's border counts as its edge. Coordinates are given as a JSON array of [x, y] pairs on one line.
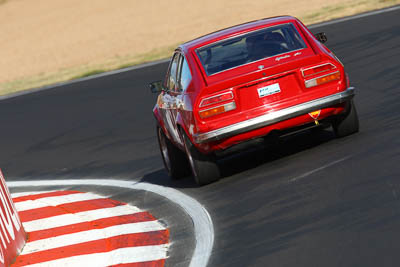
[[232, 88]]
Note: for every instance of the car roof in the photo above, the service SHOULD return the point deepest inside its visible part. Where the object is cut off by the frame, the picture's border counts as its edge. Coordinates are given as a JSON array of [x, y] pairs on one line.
[[235, 30]]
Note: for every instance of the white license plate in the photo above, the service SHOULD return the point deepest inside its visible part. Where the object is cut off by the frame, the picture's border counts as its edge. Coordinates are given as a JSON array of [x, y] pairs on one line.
[[269, 90]]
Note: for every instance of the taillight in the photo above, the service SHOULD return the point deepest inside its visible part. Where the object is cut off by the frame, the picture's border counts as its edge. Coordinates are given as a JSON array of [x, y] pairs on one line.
[[213, 102], [217, 110], [318, 69], [322, 79], [216, 99]]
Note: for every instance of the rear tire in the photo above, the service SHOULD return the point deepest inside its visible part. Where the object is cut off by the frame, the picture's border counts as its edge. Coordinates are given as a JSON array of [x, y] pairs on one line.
[[175, 160], [347, 124], [204, 168]]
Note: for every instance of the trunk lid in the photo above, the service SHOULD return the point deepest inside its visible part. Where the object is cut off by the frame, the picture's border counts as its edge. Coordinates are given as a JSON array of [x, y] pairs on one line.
[[271, 82]]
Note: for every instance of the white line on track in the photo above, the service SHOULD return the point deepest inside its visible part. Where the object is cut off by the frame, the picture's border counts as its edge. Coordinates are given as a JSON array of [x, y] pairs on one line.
[[203, 226], [91, 235], [129, 255], [319, 169], [79, 217], [55, 200]]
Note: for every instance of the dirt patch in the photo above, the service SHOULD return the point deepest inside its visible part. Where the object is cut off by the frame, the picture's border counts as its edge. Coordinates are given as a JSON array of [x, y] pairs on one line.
[[47, 41]]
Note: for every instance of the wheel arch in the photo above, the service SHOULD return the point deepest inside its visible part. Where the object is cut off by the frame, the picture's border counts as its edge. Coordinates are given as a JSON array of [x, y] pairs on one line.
[[159, 121]]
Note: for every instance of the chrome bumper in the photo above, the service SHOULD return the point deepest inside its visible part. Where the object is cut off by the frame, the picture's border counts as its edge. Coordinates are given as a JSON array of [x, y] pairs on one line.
[[274, 117]]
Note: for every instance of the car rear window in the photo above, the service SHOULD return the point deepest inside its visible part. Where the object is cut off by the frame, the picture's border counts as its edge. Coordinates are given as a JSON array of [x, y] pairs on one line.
[[250, 47]]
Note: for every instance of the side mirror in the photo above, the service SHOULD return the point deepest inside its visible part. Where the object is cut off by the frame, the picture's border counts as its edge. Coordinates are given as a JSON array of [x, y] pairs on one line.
[[321, 37], [156, 87]]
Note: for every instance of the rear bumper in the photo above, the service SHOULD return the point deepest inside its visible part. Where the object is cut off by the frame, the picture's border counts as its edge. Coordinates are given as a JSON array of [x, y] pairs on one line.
[[274, 117]]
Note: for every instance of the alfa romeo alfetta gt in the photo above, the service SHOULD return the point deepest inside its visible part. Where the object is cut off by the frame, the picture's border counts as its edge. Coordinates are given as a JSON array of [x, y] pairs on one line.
[[243, 83]]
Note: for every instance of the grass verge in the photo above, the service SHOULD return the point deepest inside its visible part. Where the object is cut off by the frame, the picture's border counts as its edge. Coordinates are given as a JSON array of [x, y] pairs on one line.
[[353, 7], [68, 74]]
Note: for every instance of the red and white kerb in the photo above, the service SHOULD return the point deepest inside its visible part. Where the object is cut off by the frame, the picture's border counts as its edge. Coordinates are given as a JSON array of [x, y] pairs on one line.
[[72, 228]]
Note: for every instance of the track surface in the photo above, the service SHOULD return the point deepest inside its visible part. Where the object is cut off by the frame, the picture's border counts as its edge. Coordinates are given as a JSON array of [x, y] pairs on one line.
[[317, 201]]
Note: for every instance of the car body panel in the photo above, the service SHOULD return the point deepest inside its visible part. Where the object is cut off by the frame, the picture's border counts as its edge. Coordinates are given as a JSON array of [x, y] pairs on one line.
[[265, 87]]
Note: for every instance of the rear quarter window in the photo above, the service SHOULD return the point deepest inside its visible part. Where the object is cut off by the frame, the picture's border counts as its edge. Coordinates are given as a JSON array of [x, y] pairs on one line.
[[250, 47]]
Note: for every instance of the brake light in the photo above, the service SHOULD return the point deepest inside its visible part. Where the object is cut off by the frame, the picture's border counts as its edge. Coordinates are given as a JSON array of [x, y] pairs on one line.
[[217, 110], [216, 99], [323, 79], [318, 69]]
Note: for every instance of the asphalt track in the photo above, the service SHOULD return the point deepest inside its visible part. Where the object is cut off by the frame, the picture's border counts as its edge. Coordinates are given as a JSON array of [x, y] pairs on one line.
[[315, 201]]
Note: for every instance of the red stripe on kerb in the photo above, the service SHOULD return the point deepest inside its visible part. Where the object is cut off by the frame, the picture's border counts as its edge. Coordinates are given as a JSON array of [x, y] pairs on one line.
[[43, 195], [98, 246], [159, 263], [75, 207], [97, 224]]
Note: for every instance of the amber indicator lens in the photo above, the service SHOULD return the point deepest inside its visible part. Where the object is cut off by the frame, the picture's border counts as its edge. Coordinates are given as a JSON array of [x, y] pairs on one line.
[[217, 110]]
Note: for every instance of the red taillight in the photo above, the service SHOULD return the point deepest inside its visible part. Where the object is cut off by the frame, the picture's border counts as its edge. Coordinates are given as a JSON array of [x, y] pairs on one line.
[[216, 99], [318, 69]]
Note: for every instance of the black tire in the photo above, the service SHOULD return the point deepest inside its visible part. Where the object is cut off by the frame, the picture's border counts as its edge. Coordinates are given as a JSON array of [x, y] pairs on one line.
[[175, 160], [348, 123], [204, 168]]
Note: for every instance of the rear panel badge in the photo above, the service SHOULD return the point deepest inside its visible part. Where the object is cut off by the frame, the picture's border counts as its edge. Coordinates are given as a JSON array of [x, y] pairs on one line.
[[269, 90], [315, 114]]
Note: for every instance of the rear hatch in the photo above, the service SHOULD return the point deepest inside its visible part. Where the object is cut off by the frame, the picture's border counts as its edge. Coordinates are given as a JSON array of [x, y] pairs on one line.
[[272, 87], [264, 70]]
